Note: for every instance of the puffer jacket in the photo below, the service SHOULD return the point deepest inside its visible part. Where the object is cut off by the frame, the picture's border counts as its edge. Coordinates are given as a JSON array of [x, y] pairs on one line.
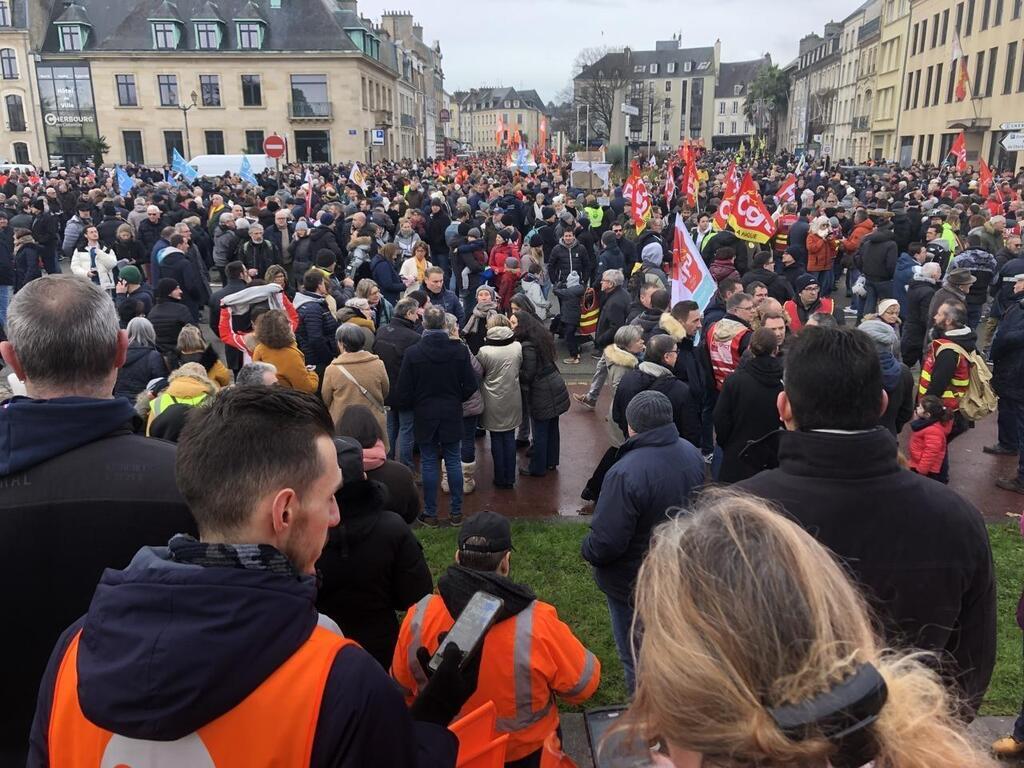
[[878, 254], [982, 265], [225, 245], [619, 363], [544, 387], [500, 358], [821, 253], [474, 406], [141, 365]]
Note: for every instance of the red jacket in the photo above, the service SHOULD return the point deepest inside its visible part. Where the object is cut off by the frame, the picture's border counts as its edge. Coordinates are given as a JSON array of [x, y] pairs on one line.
[[508, 286], [821, 253], [852, 242], [928, 448], [498, 255]]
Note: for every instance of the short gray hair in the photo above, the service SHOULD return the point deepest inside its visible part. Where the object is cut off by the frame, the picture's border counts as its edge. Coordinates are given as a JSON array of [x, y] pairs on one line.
[[351, 337], [613, 276], [405, 306], [64, 331], [931, 269], [451, 323], [628, 334], [141, 332], [255, 227], [434, 318], [251, 375]]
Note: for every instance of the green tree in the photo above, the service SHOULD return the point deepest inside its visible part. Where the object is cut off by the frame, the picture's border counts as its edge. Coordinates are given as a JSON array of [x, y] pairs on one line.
[[767, 98], [96, 146]]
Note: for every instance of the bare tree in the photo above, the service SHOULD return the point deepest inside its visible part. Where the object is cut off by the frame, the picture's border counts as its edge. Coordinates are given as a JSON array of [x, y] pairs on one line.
[[599, 75]]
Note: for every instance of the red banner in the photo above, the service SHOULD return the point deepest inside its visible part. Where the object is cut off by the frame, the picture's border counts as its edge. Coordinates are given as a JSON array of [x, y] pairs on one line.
[[749, 217], [959, 150], [787, 191], [732, 186], [691, 183], [984, 180], [670, 185]]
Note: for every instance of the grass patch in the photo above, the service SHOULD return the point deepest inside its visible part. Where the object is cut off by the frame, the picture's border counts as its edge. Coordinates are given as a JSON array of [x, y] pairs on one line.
[[547, 558]]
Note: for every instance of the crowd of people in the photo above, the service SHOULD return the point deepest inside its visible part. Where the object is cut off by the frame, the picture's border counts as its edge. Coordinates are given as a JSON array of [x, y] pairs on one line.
[[240, 363]]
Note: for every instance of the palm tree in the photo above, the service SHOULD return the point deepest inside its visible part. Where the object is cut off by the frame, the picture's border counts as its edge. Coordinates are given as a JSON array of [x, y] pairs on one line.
[[766, 101], [96, 146]]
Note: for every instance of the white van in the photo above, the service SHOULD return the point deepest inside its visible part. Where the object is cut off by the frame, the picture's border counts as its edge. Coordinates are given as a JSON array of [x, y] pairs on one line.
[[8, 168], [218, 165]]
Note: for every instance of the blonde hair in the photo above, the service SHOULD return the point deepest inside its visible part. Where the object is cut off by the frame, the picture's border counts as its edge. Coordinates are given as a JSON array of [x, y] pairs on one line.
[[495, 320], [743, 610], [190, 339]]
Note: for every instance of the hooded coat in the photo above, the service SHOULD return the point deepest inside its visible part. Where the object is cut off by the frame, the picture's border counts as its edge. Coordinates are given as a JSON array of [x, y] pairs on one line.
[[658, 378], [436, 378], [619, 362], [745, 412], [500, 358]]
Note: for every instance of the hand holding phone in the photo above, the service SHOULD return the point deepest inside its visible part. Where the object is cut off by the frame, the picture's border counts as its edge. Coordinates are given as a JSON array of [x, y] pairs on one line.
[[469, 629]]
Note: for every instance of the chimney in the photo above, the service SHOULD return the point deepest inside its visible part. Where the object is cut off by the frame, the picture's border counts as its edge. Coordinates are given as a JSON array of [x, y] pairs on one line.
[[417, 32]]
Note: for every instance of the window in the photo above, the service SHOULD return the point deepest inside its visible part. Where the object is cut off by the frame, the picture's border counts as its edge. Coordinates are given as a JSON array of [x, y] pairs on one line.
[[172, 141], [735, 107], [1018, 7], [990, 81], [668, 86], [249, 35], [254, 142], [732, 127], [70, 37], [215, 142], [721, 107], [910, 83], [8, 64], [167, 85], [15, 113], [127, 96], [998, 18], [687, 66], [945, 26], [935, 30], [938, 83], [979, 66], [928, 87], [913, 39], [209, 87], [952, 80], [21, 152], [984, 14], [959, 18], [721, 127], [309, 96], [924, 35], [132, 146], [917, 88], [970, 18], [671, 68], [252, 92], [5, 14], [165, 34], [519, 118], [207, 35], [1011, 62]]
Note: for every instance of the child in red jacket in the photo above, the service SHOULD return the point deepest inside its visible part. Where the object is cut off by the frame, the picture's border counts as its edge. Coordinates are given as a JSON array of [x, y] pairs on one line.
[[508, 283], [928, 441]]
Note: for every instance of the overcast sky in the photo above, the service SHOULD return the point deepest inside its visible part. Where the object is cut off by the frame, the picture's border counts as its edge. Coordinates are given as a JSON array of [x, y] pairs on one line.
[[532, 43]]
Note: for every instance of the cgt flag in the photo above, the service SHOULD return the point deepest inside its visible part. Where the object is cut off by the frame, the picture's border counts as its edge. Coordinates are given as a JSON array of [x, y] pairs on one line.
[[690, 276], [787, 191], [732, 186], [984, 180], [181, 167], [670, 185], [959, 151], [749, 217]]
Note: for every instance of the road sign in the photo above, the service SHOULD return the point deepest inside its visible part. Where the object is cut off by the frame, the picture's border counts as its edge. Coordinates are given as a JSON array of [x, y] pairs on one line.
[[273, 146], [1013, 142], [1012, 126], [444, 116], [629, 109], [377, 137]]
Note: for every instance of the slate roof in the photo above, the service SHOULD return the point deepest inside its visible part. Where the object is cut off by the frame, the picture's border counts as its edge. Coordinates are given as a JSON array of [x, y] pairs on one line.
[[733, 73], [209, 12], [702, 61], [481, 98], [299, 25], [74, 14]]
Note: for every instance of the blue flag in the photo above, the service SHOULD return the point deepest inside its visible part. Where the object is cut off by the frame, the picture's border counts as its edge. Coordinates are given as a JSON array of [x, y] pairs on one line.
[[124, 181], [167, 176], [181, 167], [246, 172]]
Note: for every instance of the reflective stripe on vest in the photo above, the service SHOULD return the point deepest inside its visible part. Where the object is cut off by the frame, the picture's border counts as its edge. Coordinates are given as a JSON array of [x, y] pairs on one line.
[[416, 630], [589, 666], [958, 383], [522, 650], [270, 726], [166, 400], [725, 356]]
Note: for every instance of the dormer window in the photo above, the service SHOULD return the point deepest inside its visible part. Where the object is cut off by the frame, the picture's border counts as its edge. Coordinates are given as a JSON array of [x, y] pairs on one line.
[[250, 35], [72, 37], [671, 67], [165, 35], [654, 68], [737, 90], [687, 66], [208, 35], [516, 103]]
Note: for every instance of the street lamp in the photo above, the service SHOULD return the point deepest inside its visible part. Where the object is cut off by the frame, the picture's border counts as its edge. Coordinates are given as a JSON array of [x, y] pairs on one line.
[[184, 111]]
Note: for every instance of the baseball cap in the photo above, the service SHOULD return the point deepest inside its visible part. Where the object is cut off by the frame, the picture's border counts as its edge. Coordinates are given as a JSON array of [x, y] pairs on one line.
[[493, 528]]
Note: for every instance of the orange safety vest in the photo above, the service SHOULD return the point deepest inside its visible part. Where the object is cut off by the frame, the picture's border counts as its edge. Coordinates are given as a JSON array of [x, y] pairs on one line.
[[795, 323], [273, 725], [725, 355], [781, 240], [526, 660], [958, 384]]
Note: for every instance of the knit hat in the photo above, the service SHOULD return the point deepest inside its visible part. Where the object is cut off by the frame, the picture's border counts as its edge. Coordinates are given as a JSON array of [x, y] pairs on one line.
[[880, 332], [358, 303], [536, 241], [804, 281], [326, 219], [325, 257], [302, 226], [131, 275], [546, 212], [572, 280], [166, 287], [652, 254], [648, 410], [886, 304], [508, 234], [350, 460], [473, 232], [490, 291], [241, 223]]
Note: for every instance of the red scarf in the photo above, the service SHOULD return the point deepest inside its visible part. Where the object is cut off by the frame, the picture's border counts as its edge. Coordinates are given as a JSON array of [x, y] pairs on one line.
[[374, 457]]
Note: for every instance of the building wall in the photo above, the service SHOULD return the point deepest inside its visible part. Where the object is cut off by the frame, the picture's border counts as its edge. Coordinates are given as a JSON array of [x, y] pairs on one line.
[[889, 72], [996, 94], [22, 86], [479, 127], [359, 92], [674, 120], [730, 124]]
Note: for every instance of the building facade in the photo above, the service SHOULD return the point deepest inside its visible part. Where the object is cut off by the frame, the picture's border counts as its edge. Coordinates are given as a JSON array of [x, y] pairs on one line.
[[868, 36], [21, 132], [892, 47], [671, 89], [481, 111], [731, 125], [813, 90], [991, 34], [849, 73]]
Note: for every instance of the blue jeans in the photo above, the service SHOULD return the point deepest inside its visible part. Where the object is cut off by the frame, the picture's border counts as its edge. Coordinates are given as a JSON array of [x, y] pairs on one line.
[[1010, 420], [545, 446], [622, 631], [468, 449], [826, 281], [6, 292], [400, 437], [974, 315], [430, 466], [876, 291], [503, 454]]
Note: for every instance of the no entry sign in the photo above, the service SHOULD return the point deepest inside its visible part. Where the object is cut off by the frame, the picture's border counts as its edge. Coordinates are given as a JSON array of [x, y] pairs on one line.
[[273, 146]]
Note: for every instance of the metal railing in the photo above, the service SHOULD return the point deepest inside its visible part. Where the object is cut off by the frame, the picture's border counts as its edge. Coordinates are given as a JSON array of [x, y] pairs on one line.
[[309, 109], [861, 123]]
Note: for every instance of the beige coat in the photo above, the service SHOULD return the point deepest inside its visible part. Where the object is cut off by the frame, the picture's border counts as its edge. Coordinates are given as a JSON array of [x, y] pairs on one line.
[[619, 361], [500, 357], [339, 393]]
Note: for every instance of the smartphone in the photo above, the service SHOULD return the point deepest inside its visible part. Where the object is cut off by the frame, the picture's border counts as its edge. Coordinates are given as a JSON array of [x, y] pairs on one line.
[[469, 629]]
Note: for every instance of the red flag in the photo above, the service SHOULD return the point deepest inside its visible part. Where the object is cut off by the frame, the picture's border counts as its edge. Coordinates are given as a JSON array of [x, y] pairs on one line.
[[732, 186], [670, 185], [691, 183], [499, 133], [640, 199], [517, 138], [749, 217], [959, 150], [543, 131], [634, 173], [787, 191], [984, 180]]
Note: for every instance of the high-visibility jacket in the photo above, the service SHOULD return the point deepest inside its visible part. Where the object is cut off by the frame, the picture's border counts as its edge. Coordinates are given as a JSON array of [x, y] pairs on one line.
[[527, 660], [724, 354], [825, 306], [781, 239], [957, 387], [273, 725]]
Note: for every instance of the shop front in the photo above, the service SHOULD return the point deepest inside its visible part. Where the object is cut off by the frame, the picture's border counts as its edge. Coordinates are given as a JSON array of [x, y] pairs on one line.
[[69, 113]]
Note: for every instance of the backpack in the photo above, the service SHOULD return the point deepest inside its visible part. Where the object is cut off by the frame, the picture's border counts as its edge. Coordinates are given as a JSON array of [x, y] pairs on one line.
[[980, 399]]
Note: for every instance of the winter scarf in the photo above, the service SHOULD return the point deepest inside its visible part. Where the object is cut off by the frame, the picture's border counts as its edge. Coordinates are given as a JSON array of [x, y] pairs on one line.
[[481, 312], [255, 557], [374, 456], [243, 301]]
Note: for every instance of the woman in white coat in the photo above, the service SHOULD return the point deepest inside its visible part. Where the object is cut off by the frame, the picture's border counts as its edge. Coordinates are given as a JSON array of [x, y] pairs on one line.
[[94, 261], [500, 357]]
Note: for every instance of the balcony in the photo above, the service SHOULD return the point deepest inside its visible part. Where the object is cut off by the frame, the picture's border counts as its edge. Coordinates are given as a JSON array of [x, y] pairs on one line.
[[309, 110], [408, 121], [861, 123], [869, 30]]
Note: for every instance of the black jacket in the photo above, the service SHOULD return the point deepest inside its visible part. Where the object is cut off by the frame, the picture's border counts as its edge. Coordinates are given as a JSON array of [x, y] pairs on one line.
[[403, 496], [745, 412], [6, 256], [878, 254], [919, 549], [44, 229], [168, 318], [916, 320], [80, 493], [147, 236], [779, 288], [315, 335], [435, 379], [372, 566], [1002, 285], [390, 346], [323, 238], [798, 232], [614, 308], [1007, 353], [542, 384], [178, 266], [141, 365], [657, 378], [572, 259]]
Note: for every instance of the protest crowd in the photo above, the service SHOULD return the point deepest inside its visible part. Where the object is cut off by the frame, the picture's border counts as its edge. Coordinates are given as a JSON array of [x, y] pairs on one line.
[[227, 407]]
